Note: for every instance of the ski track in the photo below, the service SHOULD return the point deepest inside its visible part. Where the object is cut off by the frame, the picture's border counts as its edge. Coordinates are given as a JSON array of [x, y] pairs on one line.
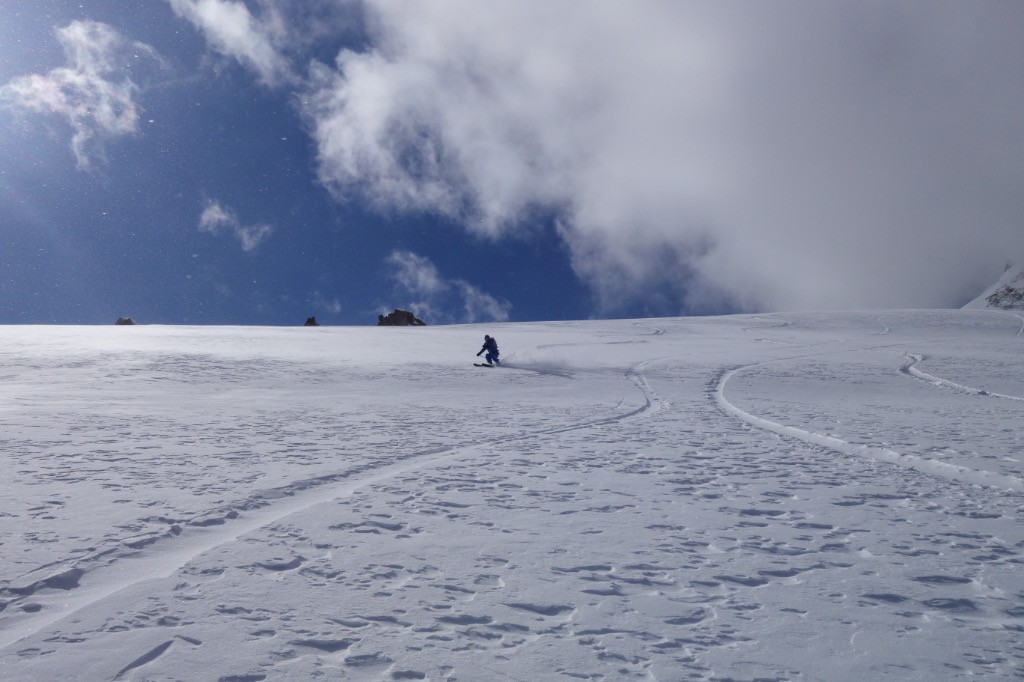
[[910, 370], [172, 552], [944, 470], [1020, 331], [540, 371]]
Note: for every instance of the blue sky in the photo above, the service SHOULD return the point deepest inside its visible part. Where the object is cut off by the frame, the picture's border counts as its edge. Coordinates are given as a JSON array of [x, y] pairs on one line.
[[221, 162]]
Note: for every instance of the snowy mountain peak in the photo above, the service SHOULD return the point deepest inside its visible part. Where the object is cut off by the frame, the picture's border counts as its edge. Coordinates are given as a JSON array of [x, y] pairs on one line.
[[1008, 291]]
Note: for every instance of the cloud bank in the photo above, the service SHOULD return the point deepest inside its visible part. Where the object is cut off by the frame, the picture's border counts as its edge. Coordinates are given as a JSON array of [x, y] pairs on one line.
[[93, 93], [217, 218], [723, 155], [433, 295]]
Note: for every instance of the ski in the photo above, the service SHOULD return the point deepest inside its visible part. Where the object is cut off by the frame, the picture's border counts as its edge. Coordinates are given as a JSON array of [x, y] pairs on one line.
[[477, 364]]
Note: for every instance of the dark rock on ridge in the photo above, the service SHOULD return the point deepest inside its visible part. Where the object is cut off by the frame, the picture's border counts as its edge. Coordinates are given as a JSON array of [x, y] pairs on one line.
[[399, 318]]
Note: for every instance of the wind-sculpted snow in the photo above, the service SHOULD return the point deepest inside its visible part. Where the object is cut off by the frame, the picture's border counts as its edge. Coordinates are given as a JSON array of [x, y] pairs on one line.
[[799, 496]]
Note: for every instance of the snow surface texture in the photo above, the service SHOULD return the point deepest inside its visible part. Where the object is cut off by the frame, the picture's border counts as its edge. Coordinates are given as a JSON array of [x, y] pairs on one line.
[[805, 496], [1006, 294]]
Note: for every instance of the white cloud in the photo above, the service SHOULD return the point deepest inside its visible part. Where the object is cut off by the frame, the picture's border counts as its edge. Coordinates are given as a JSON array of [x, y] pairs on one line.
[[321, 302], [214, 217], [217, 217], [415, 273], [837, 155], [233, 31], [437, 297], [252, 235], [94, 92], [480, 306]]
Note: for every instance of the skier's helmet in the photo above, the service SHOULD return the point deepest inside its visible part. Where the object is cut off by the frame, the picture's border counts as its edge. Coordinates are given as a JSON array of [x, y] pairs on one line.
[[486, 337]]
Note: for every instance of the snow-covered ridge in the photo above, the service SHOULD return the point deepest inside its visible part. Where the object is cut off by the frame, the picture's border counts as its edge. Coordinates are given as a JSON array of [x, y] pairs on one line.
[[1007, 293], [799, 496]]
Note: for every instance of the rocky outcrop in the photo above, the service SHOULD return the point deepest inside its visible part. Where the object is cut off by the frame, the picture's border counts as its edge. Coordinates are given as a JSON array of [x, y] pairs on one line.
[[1007, 298], [1007, 293], [311, 322], [399, 318], [125, 320]]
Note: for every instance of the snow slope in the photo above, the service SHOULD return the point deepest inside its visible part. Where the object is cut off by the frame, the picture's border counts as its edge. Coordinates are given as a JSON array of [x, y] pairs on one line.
[[800, 496], [1006, 294]]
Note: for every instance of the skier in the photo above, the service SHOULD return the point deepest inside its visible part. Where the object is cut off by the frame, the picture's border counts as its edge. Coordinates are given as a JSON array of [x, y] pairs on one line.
[[491, 348]]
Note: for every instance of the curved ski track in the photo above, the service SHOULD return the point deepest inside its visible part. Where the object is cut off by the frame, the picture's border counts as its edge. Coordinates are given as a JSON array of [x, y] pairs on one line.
[[910, 370], [950, 472], [173, 552]]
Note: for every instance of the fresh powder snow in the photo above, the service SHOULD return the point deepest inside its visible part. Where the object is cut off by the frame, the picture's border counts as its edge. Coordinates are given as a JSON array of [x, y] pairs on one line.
[[777, 497]]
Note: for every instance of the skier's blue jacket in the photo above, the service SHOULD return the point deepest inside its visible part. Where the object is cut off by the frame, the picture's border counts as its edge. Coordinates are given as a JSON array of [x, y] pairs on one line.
[[491, 348]]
